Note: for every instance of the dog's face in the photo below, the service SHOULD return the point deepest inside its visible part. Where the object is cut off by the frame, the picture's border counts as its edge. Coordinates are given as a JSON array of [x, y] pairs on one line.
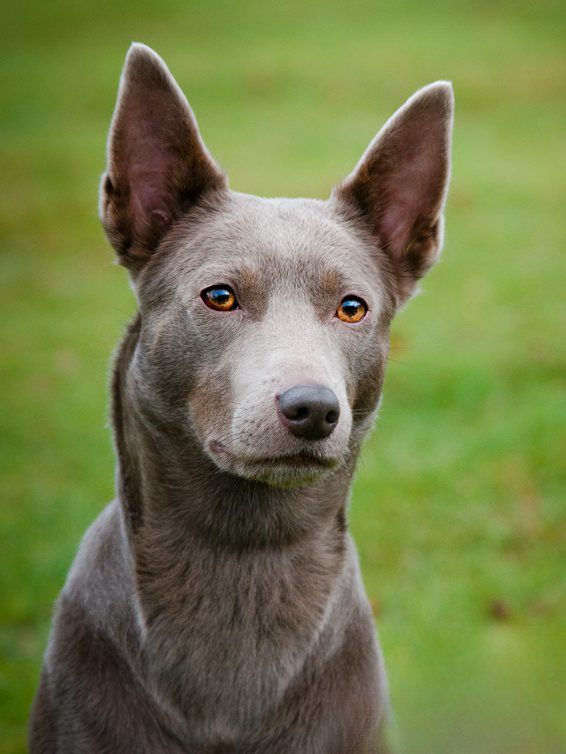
[[265, 322], [265, 326]]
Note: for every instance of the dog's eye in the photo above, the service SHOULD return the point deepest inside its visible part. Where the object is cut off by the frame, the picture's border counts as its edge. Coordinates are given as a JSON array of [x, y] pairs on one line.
[[219, 297], [352, 309]]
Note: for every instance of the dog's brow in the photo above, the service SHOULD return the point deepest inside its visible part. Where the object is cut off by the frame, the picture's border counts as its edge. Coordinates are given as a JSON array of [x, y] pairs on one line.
[[331, 281], [324, 281], [247, 277]]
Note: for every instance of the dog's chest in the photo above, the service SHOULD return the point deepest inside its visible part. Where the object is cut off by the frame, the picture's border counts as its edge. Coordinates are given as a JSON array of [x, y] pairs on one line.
[[226, 634]]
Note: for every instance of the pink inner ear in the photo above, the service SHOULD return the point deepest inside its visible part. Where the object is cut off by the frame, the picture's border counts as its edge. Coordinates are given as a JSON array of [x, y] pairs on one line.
[[152, 125], [162, 219], [149, 196], [393, 230], [410, 192]]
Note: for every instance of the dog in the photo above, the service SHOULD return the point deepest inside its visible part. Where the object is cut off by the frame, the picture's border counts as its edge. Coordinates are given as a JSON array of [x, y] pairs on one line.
[[216, 606]]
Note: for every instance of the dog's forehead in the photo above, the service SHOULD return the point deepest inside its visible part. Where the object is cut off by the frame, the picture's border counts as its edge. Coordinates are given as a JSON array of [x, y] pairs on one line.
[[305, 240]]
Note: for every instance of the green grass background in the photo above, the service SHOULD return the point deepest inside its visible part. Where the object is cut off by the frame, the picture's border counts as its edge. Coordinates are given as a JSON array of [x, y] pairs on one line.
[[459, 504]]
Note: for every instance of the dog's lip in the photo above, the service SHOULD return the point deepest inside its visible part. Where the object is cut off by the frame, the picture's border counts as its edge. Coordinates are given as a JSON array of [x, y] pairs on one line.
[[296, 460]]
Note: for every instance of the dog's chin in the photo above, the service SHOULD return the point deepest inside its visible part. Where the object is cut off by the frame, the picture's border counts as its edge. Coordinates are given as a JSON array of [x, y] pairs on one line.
[[283, 471]]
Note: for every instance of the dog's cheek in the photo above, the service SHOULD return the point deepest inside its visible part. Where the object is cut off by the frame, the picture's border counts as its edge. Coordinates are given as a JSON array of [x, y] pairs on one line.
[[365, 357], [209, 404], [162, 366], [369, 383]]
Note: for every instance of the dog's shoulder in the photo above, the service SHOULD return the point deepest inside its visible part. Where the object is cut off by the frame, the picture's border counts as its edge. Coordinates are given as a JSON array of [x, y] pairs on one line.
[[99, 590]]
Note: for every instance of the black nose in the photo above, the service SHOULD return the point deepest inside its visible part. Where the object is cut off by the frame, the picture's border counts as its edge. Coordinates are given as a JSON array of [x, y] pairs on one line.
[[311, 412]]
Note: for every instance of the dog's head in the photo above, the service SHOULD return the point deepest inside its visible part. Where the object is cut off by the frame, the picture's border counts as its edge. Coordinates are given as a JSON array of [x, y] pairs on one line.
[[264, 322]]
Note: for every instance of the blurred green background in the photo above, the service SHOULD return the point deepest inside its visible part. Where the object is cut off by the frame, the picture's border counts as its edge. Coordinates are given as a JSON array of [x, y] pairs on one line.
[[459, 504]]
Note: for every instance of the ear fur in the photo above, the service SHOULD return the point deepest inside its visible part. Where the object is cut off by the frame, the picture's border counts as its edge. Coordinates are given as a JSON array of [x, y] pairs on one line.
[[157, 163], [400, 184]]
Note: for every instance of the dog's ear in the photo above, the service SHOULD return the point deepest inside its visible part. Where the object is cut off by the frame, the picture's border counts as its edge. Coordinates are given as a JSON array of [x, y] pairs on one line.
[[157, 164], [400, 184]]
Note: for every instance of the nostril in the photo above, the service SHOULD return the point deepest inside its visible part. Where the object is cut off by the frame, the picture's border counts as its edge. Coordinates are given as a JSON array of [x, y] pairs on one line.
[[297, 414], [332, 417]]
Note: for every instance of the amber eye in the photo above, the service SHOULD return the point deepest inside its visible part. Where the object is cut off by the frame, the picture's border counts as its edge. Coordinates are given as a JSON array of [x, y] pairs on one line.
[[351, 309], [219, 297]]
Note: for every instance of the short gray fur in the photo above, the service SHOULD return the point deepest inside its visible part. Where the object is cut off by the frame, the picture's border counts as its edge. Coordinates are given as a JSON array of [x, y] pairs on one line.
[[216, 606]]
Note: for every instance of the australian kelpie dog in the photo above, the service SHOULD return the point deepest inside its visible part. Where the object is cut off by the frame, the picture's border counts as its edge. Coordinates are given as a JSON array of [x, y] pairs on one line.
[[216, 605]]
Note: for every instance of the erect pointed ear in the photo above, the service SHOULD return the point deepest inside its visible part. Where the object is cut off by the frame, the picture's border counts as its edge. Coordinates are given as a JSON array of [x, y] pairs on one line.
[[157, 164], [400, 184]]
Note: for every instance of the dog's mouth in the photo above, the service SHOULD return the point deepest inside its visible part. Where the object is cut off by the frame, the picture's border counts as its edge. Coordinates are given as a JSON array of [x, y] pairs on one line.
[[281, 470]]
